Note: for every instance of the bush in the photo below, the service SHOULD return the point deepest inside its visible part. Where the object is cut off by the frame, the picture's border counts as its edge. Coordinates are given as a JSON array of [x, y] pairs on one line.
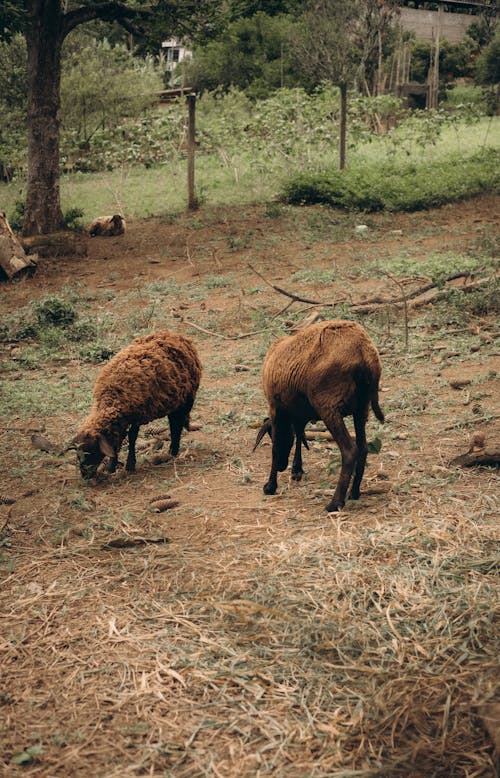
[[399, 187], [54, 312]]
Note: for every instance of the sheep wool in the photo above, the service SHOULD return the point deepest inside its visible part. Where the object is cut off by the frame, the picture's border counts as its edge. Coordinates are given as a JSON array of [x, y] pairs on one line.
[[326, 371], [107, 226], [157, 375]]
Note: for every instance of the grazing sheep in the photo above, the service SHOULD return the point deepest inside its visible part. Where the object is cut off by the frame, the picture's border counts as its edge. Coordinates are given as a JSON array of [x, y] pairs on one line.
[[329, 370], [107, 226], [156, 375]]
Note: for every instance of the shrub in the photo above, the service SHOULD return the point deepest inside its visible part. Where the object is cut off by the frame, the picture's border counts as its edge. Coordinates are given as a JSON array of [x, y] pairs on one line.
[[54, 312], [399, 187]]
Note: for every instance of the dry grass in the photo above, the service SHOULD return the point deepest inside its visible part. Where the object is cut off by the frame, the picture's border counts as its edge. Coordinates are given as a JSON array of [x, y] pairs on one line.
[[266, 637]]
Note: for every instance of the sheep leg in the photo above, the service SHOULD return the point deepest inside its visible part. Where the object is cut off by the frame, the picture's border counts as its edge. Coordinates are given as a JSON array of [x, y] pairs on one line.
[[132, 437], [282, 436], [349, 453], [176, 420], [297, 470], [360, 428]]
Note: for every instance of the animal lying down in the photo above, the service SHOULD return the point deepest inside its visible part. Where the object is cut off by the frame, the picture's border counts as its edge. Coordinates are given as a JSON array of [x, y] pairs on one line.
[[326, 371], [107, 226]]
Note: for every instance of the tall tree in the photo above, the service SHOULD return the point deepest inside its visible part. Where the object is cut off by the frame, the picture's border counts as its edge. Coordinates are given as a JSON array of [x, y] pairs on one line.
[[335, 41], [46, 24]]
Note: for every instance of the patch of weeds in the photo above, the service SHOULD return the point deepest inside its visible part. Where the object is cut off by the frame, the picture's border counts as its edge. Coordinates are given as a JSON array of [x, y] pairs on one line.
[[481, 302], [273, 210], [28, 331], [315, 275], [162, 288], [217, 281], [82, 330], [95, 353], [487, 243], [411, 399], [238, 242], [72, 218], [16, 217], [55, 312], [80, 503], [437, 267]]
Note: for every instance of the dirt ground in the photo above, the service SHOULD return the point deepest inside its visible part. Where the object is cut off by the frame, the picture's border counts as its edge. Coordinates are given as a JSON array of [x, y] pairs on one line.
[[235, 634]]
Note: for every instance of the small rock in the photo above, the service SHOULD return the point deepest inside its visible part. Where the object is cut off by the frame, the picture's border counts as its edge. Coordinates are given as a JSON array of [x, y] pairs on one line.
[[459, 383]]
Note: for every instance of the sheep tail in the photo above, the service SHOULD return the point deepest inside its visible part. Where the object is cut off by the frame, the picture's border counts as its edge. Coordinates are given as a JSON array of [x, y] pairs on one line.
[[377, 410]]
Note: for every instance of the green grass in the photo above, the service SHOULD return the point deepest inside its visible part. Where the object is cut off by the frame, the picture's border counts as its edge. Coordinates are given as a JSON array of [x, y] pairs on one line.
[[242, 175], [391, 186]]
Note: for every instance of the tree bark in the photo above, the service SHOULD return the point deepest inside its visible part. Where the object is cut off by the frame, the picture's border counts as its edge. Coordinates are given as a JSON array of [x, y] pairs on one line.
[[44, 37], [343, 124]]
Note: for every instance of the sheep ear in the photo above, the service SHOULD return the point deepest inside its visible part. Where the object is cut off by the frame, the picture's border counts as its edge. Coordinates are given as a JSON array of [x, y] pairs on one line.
[[106, 447], [72, 445], [266, 427]]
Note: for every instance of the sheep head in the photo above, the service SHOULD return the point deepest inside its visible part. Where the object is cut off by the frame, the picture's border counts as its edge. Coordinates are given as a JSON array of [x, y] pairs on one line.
[[90, 451]]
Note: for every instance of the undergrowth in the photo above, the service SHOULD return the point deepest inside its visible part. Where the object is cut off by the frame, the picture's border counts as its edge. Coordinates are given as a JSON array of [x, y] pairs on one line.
[[403, 187]]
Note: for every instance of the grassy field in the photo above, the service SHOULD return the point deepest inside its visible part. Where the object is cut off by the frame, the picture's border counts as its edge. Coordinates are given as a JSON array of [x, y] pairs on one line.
[[232, 175], [236, 635]]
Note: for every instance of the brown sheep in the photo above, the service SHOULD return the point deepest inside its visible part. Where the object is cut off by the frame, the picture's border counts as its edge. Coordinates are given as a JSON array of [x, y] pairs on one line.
[[326, 371], [156, 375], [107, 226]]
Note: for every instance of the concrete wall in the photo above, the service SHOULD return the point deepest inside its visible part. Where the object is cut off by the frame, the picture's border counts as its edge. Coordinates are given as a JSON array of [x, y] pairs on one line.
[[424, 24]]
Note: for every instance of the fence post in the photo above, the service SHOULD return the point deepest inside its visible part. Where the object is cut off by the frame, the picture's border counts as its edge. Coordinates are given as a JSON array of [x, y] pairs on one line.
[[191, 144]]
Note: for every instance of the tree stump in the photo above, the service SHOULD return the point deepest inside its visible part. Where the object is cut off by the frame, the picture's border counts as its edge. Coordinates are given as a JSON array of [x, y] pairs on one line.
[[57, 244], [13, 259]]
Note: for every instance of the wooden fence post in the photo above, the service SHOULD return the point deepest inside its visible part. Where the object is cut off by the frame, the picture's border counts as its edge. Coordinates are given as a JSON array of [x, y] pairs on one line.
[[191, 144]]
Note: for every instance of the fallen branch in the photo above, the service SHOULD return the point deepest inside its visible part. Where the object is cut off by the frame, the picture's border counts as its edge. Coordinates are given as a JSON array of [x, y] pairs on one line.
[[474, 458], [295, 297], [131, 542], [422, 296]]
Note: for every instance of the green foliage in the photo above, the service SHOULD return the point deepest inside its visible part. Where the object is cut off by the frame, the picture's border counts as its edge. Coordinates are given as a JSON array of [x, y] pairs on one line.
[[488, 63], [455, 60], [16, 218], [13, 105], [254, 55], [437, 267], [102, 84], [72, 219], [13, 74], [55, 312], [398, 188]]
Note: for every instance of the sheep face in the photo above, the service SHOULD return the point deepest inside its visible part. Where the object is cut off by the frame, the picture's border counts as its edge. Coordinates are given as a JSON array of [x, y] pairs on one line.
[[90, 451]]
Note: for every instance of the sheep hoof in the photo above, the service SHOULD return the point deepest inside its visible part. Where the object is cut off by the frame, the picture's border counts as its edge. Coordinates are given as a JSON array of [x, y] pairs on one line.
[[354, 496], [297, 476], [334, 507], [269, 488]]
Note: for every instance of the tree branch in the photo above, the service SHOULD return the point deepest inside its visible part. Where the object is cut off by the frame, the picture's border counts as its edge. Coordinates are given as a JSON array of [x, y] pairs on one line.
[[295, 297], [108, 11]]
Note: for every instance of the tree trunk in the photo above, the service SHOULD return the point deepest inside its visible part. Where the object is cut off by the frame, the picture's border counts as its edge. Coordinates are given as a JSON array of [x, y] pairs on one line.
[[343, 124], [44, 39]]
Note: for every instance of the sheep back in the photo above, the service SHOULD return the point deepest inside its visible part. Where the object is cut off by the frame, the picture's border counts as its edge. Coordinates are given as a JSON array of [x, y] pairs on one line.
[[150, 378], [327, 358]]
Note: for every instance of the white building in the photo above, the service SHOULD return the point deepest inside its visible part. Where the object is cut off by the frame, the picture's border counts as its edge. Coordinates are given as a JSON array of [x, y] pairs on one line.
[[175, 51]]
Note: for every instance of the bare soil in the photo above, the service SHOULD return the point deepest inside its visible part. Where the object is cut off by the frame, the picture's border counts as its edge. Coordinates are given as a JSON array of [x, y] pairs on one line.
[[235, 634]]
